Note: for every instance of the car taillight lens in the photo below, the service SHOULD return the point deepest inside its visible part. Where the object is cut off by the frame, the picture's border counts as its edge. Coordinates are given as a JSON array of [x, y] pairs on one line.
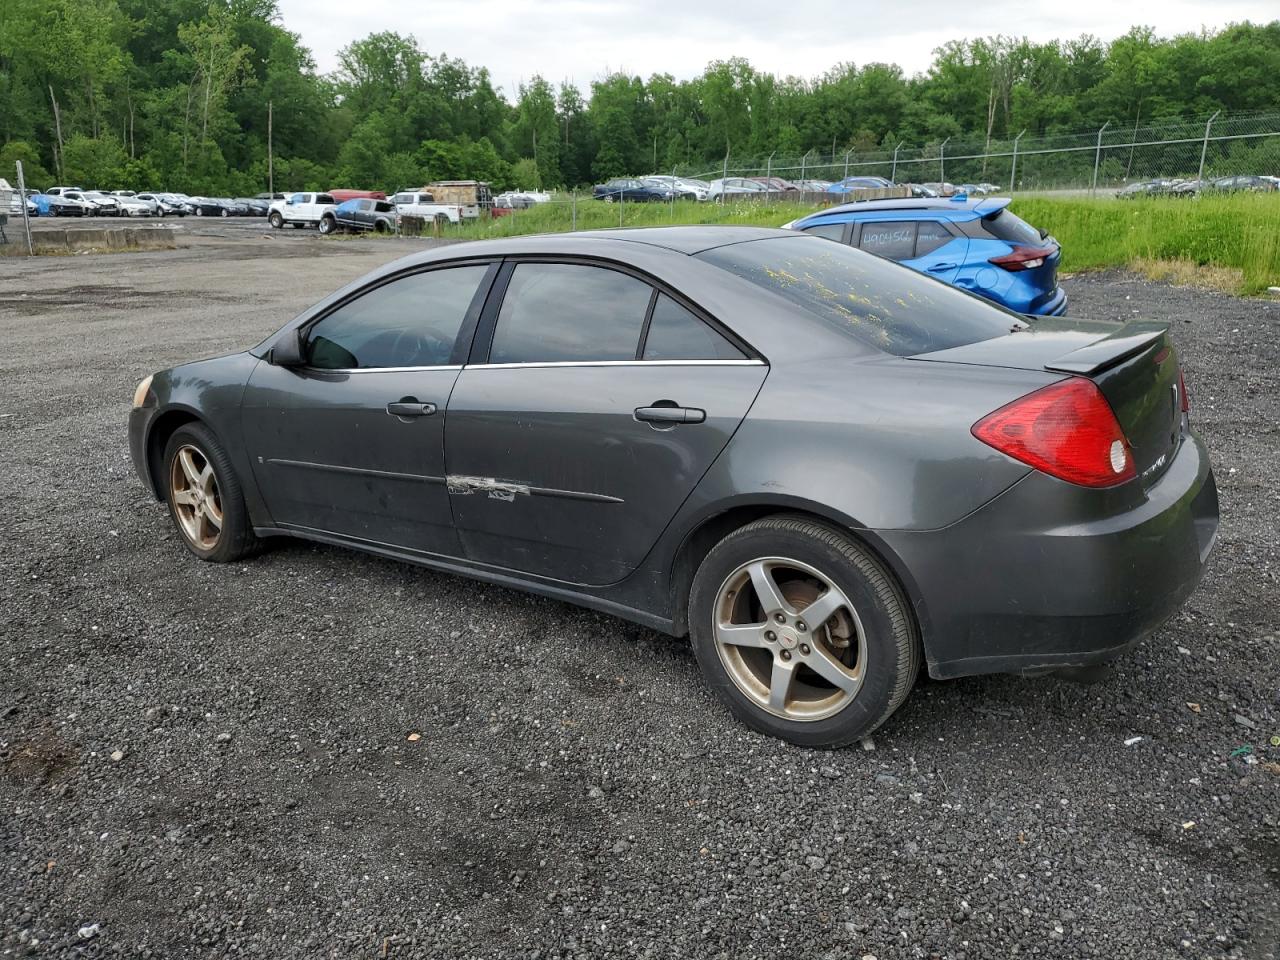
[[1066, 430], [1183, 396], [1023, 258]]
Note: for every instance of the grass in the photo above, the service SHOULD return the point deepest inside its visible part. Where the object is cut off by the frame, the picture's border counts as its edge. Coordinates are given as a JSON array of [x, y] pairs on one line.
[[1229, 242]]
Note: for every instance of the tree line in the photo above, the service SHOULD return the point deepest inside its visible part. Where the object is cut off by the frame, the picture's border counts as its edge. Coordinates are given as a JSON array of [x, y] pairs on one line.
[[185, 94]]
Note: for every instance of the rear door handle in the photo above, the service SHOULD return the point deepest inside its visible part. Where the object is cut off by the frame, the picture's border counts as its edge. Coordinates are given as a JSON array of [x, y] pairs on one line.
[[670, 415], [407, 408], [939, 267]]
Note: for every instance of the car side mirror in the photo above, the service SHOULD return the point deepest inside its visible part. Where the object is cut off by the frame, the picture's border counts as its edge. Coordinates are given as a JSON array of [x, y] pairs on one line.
[[287, 351]]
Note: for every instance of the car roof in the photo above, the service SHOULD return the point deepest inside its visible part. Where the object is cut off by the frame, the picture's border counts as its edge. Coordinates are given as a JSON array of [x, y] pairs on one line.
[[970, 206]]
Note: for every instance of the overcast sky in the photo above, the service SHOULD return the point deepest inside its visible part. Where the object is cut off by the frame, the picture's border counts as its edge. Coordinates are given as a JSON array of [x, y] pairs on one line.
[[582, 40]]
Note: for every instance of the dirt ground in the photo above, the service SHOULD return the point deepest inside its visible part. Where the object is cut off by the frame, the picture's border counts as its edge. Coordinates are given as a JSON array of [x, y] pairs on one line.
[[215, 761]]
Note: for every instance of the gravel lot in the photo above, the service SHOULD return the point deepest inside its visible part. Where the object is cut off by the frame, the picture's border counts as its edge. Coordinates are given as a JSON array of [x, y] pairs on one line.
[[321, 754]]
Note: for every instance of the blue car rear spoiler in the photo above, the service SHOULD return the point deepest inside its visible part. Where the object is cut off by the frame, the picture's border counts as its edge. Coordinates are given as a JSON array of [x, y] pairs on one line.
[[990, 206]]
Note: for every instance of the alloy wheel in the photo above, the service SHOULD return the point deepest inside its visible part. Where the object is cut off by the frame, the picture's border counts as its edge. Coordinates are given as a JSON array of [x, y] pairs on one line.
[[193, 491], [789, 638]]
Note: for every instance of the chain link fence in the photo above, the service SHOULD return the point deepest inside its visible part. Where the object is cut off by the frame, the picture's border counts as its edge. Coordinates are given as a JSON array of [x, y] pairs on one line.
[[1093, 160]]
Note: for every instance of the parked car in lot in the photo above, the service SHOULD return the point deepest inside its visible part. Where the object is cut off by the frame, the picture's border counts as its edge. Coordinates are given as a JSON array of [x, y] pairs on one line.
[[96, 204], [414, 203], [57, 205], [207, 207], [132, 206], [300, 209], [824, 468], [360, 215], [814, 186], [776, 184], [684, 188], [734, 186], [850, 184], [254, 206], [630, 190], [1247, 182], [59, 191], [1143, 188], [975, 244], [165, 204]]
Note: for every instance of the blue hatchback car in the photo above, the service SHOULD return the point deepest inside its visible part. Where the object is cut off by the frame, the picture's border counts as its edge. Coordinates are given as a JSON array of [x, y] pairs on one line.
[[977, 245]]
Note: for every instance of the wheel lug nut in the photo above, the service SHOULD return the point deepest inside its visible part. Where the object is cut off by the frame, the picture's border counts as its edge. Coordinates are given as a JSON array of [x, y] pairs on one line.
[[770, 636], [780, 618], [786, 654], [800, 626], [804, 648]]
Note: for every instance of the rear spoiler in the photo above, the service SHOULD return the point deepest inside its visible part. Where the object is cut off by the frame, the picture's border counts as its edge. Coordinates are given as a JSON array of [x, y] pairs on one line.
[[1128, 341], [990, 206]]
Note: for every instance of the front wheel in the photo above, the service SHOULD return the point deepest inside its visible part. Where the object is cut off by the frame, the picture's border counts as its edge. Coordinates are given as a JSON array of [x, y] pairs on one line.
[[199, 211], [327, 225], [802, 633], [275, 219], [225, 212], [205, 500]]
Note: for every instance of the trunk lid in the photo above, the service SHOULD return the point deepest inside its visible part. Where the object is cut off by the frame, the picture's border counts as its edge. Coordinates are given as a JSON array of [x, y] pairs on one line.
[[1133, 364]]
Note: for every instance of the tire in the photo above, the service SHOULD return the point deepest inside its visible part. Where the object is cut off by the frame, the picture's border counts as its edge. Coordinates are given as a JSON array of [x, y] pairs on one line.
[[608, 198], [199, 211], [870, 638], [234, 539], [275, 219], [327, 225], [224, 212]]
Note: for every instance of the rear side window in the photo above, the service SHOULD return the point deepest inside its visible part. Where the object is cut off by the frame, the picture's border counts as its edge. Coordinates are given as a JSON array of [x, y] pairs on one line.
[[830, 231], [410, 322], [564, 312], [676, 334], [325, 198], [930, 236], [1011, 228], [888, 307], [893, 241]]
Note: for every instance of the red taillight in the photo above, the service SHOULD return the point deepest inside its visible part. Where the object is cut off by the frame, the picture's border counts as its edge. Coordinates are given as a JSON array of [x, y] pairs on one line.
[[1183, 396], [1066, 430], [1024, 258]]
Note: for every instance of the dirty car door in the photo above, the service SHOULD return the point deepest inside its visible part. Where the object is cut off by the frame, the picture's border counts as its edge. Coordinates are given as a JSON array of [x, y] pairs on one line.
[[598, 406], [352, 442]]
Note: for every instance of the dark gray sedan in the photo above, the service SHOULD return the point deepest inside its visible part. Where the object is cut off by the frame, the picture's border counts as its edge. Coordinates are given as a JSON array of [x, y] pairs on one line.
[[820, 465]]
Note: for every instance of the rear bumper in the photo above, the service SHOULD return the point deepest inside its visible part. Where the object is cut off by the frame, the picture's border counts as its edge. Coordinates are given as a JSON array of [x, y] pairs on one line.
[[1049, 576]]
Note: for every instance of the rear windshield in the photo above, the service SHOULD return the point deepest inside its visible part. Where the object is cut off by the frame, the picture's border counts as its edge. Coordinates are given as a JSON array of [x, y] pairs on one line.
[[1011, 228], [887, 306]]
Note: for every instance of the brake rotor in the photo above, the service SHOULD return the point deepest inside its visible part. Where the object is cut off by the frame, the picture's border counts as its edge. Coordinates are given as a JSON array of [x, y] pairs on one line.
[[837, 633]]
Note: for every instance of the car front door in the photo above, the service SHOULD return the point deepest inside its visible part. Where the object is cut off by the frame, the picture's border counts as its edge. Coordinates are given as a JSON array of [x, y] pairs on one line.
[[593, 406], [351, 442]]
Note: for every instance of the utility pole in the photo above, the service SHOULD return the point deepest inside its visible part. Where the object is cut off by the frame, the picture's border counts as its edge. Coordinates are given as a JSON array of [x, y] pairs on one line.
[[893, 174], [942, 160], [1097, 160], [1013, 171], [271, 169], [1204, 148]]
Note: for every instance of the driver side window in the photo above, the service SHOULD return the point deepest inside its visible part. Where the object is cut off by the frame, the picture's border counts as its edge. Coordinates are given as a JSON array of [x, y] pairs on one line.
[[409, 322]]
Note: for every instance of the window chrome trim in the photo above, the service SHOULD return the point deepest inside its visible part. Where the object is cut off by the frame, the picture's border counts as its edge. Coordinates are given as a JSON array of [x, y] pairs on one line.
[[752, 362], [447, 366]]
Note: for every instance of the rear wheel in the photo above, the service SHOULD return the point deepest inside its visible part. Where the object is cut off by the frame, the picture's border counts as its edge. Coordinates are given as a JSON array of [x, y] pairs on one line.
[[327, 225], [802, 632], [205, 500]]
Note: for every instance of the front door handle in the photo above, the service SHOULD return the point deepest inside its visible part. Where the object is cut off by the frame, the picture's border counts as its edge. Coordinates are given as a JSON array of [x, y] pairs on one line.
[[410, 408], [670, 415], [940, 267]]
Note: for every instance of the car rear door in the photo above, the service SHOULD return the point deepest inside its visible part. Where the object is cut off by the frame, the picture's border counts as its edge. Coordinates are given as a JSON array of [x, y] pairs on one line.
[[594, 404], [351, 443]]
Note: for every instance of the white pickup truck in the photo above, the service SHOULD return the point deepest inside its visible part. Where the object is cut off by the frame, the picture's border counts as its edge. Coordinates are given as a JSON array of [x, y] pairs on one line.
[[300, 209], [414, 204]]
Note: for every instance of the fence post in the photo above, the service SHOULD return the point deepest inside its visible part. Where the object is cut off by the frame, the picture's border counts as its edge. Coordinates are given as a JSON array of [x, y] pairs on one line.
[[1097, 160], [1013, 171], [724, 175], [1204, 148], [674, 187], [893, 174], [942, 161], [622, 204], [22, 199], [573, 223], [846, 165], [768, 175], [803, 162]]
